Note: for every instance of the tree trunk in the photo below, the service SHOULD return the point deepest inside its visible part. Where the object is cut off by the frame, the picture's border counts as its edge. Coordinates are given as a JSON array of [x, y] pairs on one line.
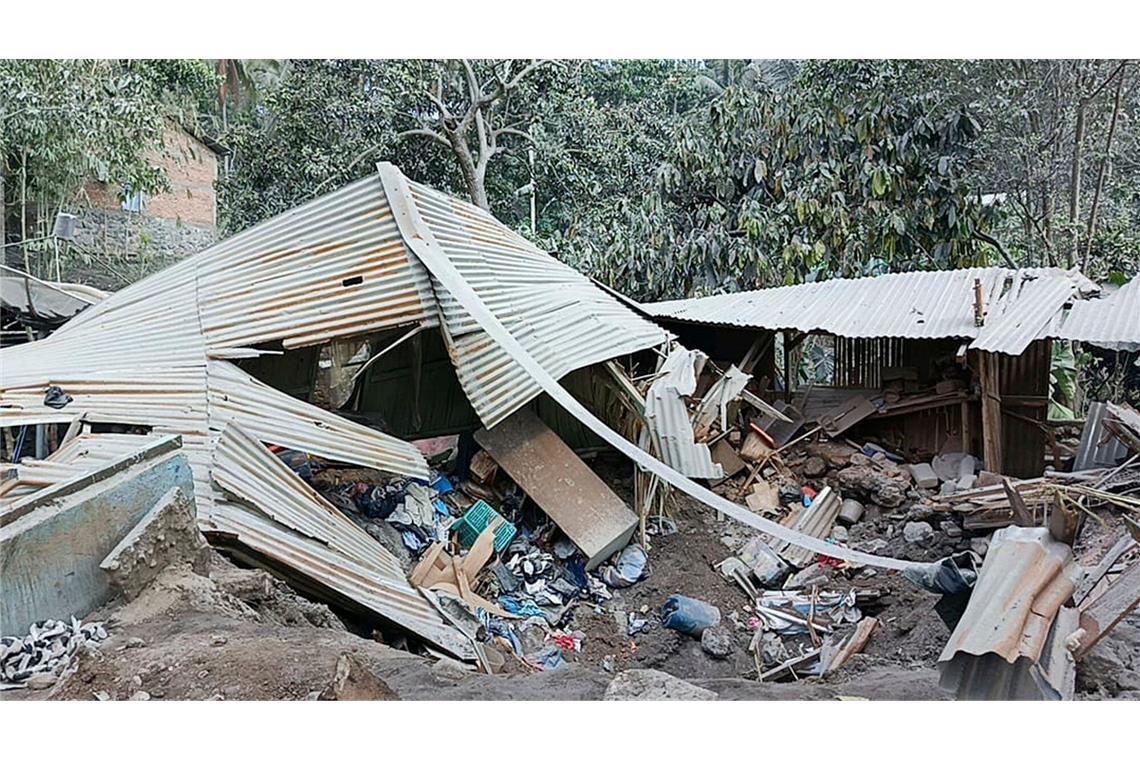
[[3, 207], [1075, 182], [1103, 170], [476, 188]]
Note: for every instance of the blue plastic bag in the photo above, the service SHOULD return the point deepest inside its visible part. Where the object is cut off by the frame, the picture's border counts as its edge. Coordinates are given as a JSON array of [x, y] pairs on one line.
[[688, 615]]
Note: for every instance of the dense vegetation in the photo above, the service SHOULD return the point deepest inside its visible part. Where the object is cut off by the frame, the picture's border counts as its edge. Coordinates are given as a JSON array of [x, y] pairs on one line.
[[662, 178]]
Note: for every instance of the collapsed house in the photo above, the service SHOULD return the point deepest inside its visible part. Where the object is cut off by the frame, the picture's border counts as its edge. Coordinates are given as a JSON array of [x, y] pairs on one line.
[[928, 362], [167, 357], [160, 355]]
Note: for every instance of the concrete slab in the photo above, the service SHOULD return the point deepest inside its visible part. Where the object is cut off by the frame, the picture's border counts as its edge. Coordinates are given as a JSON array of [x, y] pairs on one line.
[[50, 554], [167, 535]]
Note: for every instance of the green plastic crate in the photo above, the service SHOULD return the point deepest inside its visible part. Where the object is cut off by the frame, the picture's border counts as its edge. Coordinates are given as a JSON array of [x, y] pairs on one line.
[[476, 520]]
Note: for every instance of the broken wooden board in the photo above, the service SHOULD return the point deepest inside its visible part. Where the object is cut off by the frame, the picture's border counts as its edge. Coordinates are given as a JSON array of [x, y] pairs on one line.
[[1102, 614], [847, 416], [584, 507], [764, 499], [726, 456], [782, 432]]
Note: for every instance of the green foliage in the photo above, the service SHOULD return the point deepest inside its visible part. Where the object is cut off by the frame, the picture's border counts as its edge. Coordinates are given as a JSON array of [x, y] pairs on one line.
[[835, 175], [328, 125], [66, 122]]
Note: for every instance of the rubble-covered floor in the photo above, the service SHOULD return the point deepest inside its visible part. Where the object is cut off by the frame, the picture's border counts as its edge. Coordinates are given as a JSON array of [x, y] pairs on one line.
[[240, 634]]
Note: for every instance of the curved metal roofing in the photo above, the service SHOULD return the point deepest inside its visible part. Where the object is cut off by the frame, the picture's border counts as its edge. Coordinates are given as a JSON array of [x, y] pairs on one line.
[[1019, 305]]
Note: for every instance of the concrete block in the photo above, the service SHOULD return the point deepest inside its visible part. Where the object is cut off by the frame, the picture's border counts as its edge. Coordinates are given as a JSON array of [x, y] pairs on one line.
[[50, 554], [924, 475], [167, 535]]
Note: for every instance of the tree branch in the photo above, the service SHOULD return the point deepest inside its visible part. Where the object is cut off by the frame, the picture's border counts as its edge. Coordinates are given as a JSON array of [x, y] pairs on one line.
[[424, 132], [996, 244]]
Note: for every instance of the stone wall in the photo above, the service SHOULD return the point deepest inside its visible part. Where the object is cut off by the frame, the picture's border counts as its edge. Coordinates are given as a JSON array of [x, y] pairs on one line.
[[118, 233]]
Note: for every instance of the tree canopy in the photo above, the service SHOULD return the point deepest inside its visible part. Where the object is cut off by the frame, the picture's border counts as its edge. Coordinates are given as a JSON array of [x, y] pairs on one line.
[[661, 178]]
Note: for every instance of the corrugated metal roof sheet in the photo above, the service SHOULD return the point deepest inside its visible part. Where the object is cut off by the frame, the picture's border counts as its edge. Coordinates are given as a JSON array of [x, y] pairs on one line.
[[156, 354], [1020, 306], [1112, 322], [1026, 577], [667, 416], [564, 320]]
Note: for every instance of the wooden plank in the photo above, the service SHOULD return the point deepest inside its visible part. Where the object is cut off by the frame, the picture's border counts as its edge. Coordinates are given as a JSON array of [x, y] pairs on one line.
[[1088, 583], [1103, 613], [854, 645], [584, 507], [1021, 513], [991, 411]]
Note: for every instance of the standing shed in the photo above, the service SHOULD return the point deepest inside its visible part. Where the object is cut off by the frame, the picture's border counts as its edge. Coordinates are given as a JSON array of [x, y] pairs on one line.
[[960, 356]]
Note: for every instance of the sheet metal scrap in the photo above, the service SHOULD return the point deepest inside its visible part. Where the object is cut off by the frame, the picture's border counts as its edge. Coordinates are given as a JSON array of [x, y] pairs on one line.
[[667, 416], [1009, 643]]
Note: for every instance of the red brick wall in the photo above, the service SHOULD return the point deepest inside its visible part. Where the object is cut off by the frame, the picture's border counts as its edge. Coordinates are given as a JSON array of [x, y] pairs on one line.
[[191, 169]]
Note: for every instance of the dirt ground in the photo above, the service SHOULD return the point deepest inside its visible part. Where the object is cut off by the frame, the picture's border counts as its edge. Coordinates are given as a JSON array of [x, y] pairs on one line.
[[241, 634]]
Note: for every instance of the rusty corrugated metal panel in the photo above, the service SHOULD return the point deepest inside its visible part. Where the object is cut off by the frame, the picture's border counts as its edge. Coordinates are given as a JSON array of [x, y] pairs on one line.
[[1112, 322], [1026, 578], [1021, 305], [563, 319], [294, 524]]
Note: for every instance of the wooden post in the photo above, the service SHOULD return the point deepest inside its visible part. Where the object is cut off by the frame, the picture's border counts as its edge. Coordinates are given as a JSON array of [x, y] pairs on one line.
[[991, 411]]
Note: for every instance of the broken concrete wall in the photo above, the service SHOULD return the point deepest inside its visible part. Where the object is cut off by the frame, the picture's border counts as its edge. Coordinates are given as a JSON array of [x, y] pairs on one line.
[[50, 553], [168, 534]]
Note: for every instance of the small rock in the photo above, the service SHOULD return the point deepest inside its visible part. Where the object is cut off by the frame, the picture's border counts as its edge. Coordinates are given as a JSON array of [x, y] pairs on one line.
[[136, 681], [951, 528], [948, 488], [917, 532], [102, 696], [814, 467], [839, 533], [449, 670], [217, 640], [41, 681], [653, 685], [980, 546], [135, 642], [717, 641], [874, 546], [353, 681], [140, 696]]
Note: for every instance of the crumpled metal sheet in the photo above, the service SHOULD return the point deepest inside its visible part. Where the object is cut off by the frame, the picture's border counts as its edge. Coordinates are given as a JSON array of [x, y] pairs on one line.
[[565, 321], [1004, 636], [1020, 306], [667, 416], [1111, 322]]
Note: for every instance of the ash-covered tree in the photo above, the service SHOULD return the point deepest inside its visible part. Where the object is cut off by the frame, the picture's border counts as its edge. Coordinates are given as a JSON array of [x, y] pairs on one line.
[[839, 173]]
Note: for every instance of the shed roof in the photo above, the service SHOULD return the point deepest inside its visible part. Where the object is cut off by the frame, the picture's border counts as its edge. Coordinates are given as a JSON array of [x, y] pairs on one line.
[[1020, 305]]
